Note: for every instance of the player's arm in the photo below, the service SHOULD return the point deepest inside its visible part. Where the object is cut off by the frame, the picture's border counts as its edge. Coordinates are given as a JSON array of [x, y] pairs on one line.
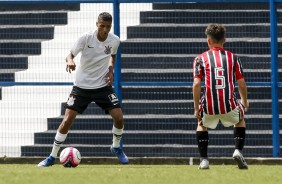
[[196, 96], [242, 87], [70, 63], [77, 48], [110, 74], [112, 63]]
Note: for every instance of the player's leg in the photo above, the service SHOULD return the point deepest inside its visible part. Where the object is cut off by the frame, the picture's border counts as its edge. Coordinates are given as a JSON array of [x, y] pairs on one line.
[[236, 118], [77, 103], [62, 131], [203, 141], [117, 131], [107, 100], [240, 134], [239, 139], [60, 137], [207, 121]]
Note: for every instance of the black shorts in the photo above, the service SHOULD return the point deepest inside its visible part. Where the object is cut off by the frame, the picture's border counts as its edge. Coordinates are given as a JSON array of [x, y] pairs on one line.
[[104, 97]]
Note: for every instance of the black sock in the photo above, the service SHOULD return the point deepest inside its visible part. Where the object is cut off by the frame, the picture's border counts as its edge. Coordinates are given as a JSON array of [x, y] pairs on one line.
[[203, 141], [239, 137]]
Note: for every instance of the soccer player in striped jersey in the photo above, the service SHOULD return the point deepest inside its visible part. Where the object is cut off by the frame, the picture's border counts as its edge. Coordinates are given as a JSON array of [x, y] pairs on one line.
[[219, 69]]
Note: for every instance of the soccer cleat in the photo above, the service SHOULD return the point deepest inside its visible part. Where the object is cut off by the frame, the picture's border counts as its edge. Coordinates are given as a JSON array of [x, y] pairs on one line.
[[120, 155], [204, 164], [47, 162], [238, 157]]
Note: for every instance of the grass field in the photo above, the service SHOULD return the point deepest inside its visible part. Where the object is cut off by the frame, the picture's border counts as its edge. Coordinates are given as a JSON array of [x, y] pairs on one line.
[[135, 174]]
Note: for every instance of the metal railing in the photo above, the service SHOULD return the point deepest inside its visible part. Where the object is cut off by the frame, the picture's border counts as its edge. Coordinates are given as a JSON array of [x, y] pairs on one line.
[[274, 84]]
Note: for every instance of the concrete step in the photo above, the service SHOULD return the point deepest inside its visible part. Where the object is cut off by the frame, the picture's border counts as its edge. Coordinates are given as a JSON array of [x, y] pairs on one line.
[[150, 150], [197, 31], [159, 122], [156, 93], [212, 6], [44, 76], [7, 77], [131, 61], [217, 137], [27, 33], [205, 16], [39, 7], [39, 70], [182, 76], [166, 46], [170, 107], [128, 61], [10, 48], [145, 107], [13, 62], [34, 18], [182, 93]]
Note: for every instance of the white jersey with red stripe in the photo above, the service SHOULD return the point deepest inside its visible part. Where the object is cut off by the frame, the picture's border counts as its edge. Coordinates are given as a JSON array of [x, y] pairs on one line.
[[219, 69]]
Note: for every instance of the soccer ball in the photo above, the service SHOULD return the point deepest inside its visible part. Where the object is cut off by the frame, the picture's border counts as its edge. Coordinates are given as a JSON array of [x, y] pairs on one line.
[[70, 157]]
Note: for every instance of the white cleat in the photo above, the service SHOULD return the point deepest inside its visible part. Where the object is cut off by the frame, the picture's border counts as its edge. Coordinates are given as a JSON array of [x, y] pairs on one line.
[[204, 164], [238, 157]]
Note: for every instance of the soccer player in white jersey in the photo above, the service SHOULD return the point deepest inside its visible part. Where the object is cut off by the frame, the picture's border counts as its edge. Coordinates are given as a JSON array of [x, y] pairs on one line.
[[93, 83], [219, 69]]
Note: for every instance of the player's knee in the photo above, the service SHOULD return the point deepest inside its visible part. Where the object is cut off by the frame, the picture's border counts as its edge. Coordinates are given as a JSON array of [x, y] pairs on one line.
[[117, 115], [241, 123]]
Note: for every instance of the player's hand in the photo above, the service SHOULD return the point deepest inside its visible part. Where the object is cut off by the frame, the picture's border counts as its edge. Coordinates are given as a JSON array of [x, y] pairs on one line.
[[109, 78], [245, 104], [197, 115], [70, 66]]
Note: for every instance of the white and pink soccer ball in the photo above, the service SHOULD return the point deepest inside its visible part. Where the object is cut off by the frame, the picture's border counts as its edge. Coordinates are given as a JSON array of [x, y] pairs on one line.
[[70, 157]]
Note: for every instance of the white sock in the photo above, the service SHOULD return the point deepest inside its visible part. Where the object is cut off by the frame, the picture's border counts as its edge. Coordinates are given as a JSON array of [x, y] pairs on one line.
[[59, 139], [116, 136]]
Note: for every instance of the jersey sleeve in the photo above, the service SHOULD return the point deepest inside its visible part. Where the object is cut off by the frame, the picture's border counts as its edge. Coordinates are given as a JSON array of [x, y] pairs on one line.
[[79, 44], [115, 48], [238, 69], [197, 69]]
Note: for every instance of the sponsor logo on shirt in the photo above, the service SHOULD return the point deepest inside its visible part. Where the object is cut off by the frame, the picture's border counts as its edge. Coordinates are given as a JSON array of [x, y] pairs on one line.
[[107, 49]]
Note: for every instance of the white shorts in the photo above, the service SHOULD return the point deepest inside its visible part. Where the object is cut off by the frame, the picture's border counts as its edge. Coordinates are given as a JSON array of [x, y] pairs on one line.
[[231, 118]]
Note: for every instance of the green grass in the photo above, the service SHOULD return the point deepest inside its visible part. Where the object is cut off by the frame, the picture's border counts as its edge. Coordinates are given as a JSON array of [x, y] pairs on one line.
[[135, 174]]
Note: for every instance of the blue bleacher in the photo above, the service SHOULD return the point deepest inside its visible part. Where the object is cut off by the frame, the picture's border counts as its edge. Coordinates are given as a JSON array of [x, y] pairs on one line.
[[159, 121]]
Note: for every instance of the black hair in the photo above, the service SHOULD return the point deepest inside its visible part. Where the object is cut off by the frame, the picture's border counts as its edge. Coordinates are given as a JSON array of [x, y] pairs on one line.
[[216, 32], [105, 16]]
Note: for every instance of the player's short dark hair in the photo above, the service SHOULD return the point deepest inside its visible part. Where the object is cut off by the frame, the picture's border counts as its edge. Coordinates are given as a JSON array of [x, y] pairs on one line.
[[216, 32], [105, 16]]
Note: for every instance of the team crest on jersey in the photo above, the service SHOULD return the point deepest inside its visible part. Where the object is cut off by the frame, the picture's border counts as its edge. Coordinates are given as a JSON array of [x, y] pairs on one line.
[[107, 49], [70, 101], [113, 98]]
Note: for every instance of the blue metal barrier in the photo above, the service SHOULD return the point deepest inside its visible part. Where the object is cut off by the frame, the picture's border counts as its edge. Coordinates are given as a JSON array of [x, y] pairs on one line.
[[274, 80], [118, 83]]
